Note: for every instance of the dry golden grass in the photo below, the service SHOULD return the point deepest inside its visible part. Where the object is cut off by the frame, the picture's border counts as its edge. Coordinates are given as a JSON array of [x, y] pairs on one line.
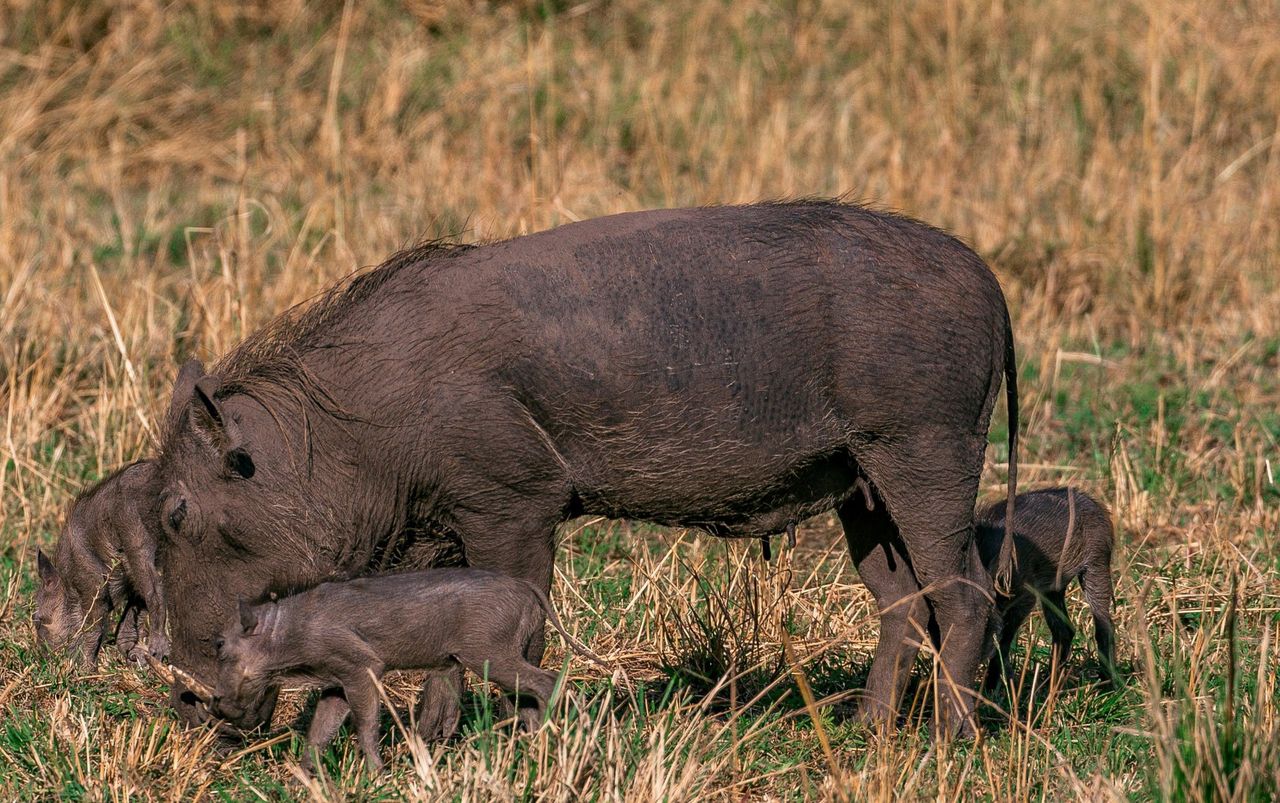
[[172, 175]]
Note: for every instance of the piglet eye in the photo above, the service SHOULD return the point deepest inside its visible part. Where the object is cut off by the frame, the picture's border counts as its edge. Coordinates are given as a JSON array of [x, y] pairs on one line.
[[217, 644]]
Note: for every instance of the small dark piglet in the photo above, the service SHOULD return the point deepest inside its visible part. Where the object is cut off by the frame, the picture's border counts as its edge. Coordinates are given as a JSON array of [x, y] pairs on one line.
[[345, 635], [105, 562], [1060, 535]]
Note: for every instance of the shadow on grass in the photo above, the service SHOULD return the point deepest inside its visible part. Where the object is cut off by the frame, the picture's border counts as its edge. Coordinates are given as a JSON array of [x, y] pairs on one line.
[[1081, 690], [839, 678], [834, 680]]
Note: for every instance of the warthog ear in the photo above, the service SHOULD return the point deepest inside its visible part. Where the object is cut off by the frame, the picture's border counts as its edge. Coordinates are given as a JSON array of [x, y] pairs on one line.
[[220, 427], [48, 574], [184, 388], [204, 401], [258, 620]]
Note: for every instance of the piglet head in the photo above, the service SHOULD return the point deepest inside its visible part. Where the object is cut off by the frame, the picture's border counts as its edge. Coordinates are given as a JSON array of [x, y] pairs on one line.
[[246, 670], [58, 615]]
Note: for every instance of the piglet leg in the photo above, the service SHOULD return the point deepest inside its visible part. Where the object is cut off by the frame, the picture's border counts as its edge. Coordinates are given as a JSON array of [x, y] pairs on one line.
[[440, 707], [127, 633], [362, 695], [1054, 606], [331, 712]]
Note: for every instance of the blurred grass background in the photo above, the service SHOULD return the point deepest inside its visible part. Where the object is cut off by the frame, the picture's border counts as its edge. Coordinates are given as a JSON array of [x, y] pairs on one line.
[[174, 174]]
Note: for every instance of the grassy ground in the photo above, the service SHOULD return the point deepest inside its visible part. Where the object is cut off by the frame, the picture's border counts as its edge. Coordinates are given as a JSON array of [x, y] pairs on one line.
[[172, 175]]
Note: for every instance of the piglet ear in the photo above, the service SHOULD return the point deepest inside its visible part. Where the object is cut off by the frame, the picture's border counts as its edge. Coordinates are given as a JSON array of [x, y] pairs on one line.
[[48, 574], [248, 617]]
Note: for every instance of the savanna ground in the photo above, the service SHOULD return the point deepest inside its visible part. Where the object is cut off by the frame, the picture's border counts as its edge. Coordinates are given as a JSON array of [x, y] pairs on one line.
[[174, 174]]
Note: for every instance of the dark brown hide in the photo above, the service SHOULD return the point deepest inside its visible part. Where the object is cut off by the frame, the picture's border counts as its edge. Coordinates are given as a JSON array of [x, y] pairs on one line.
[[733, 369]]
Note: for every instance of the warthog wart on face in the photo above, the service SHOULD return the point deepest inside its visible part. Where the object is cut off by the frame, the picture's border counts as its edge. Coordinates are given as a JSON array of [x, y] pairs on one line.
[[735, 369], [1060, 535]]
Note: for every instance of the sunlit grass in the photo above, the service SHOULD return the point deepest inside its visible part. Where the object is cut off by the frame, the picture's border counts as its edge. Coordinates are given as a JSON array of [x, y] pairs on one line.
[[172, 175]]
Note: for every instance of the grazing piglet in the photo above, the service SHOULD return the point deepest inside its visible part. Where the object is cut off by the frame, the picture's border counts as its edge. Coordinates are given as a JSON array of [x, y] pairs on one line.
[[1060, 535], [104, 562], [345, 635]]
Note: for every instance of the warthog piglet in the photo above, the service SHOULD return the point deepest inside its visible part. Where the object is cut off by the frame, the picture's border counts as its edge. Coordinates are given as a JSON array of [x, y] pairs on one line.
[[344, 635], [1060, 535], [104, 563]]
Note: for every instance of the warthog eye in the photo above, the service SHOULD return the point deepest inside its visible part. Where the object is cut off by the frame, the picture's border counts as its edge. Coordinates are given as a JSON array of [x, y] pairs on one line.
[[178, 515]]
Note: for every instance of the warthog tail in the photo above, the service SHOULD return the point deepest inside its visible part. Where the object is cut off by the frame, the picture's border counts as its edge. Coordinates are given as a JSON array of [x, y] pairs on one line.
[[1006, 564], [574, 644]]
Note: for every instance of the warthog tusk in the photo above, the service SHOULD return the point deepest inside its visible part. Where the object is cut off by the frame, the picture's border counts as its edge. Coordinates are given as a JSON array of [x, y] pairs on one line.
[[159, 668], [196, 687], [171, 674]]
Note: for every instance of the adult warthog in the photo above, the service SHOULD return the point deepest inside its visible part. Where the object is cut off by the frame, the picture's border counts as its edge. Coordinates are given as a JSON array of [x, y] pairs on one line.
[[735, 369]]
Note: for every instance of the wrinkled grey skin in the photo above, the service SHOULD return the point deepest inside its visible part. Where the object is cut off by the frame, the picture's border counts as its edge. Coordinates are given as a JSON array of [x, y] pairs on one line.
[[734, 369], [104, 564], [1054, 545], [345, 636]]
